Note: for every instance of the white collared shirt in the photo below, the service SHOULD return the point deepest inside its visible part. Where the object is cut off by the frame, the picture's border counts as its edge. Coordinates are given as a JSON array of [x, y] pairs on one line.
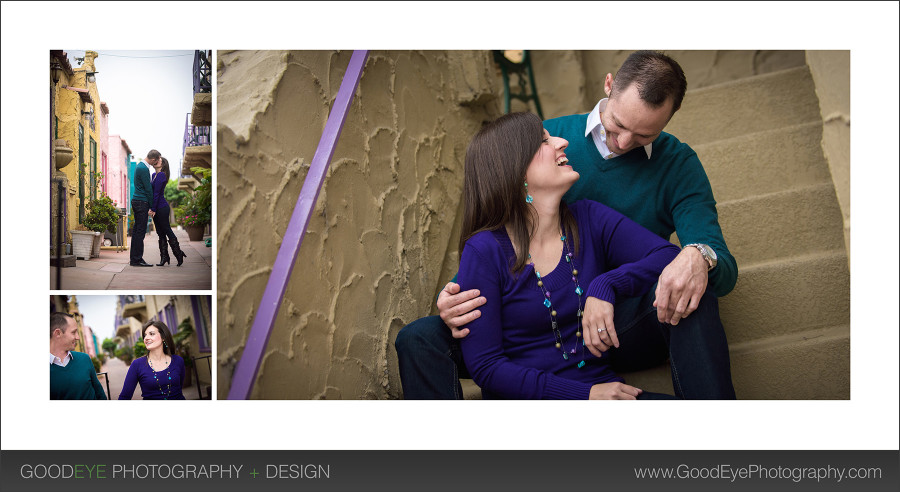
[[595, 128], [61, 362]]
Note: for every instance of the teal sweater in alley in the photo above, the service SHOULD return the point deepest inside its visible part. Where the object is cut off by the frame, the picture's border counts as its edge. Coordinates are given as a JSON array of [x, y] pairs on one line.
[[77, 381], [669, 192], [143, 189]]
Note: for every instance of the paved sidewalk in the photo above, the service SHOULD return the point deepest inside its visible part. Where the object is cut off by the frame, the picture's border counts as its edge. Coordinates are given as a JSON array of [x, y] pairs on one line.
[[116, 371], [111, 270]]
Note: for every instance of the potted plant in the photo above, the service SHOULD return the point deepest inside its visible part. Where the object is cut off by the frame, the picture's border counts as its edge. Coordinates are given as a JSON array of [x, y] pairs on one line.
[[82, 242], [197, 213], [102, 217]]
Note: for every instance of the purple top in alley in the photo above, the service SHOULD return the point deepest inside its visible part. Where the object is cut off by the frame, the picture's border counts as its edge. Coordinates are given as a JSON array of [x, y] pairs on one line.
[[159, 191], [165, 386], [510, 350]]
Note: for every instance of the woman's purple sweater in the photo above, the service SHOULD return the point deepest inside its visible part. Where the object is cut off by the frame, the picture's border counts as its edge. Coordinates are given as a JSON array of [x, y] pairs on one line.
[[510, 350], [166, 385], [159, 191]]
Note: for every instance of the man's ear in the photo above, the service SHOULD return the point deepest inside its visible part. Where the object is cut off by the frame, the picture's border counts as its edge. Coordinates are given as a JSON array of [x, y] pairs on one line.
[[607, 84]]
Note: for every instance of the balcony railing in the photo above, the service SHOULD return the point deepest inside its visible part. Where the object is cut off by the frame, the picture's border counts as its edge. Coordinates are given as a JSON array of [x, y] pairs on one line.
[[195, 135], [202, 72]]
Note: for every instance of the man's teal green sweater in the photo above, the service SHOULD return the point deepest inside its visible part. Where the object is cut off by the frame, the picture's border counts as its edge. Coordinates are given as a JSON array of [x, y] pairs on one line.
[[143, 189], [669, 192], [77, 381]]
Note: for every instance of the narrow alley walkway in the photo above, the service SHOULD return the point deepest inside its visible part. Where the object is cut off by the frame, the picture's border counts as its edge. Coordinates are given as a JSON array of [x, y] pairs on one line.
[[111, 270]]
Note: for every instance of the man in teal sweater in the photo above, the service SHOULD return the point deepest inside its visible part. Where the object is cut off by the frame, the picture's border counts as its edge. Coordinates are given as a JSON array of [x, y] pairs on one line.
[[72, 374], [140, 205], [627, 162]]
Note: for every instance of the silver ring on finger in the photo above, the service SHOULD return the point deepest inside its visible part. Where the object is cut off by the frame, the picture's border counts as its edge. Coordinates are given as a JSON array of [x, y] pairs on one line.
[[601, 330]]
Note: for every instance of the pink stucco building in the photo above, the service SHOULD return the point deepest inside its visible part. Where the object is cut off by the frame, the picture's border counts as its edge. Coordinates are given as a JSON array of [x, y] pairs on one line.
[[116, 171], [89, 347], [103, 130]]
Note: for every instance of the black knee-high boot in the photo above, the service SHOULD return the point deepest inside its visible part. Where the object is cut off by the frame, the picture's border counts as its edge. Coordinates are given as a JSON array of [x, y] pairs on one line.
[[176, 250], [163, 251]]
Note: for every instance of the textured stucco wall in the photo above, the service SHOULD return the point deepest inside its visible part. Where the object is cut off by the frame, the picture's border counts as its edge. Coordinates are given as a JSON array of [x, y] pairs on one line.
[[69, 107], [68, 112], [572, 81], [831, 73], [372, 257]]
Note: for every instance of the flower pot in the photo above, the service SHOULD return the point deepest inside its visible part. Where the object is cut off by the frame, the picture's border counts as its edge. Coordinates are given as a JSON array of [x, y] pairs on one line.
[[95, 247], [83, 244], [64, 154], [195, 233]]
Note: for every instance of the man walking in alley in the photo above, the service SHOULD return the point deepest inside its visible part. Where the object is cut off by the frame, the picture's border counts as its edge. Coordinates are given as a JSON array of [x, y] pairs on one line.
[[140, 204], [72, 374]]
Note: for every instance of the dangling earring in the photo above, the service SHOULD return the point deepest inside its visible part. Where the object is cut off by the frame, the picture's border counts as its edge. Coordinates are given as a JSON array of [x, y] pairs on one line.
[[165, 347], [528, 198]]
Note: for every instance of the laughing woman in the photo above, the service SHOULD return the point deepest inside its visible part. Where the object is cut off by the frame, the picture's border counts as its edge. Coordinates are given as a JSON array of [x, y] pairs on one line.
[[161, 372], [551, 273]]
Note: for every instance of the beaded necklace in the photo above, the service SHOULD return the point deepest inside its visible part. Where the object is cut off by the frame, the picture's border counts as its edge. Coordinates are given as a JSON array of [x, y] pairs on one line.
[[554, 326], [168, 378]]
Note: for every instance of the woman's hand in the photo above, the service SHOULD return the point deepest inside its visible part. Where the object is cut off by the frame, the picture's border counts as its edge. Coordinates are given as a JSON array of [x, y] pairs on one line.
[[597, 325], [614, 391]]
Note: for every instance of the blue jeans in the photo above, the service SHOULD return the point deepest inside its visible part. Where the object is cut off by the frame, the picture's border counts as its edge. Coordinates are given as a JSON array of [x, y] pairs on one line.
[[431, 361]]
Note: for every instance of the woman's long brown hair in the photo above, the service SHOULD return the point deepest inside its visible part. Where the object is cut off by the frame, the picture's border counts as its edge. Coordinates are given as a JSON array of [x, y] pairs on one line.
[[494, 185]]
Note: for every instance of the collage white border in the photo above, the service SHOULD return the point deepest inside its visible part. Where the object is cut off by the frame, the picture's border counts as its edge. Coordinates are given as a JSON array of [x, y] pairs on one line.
[[867, 421]]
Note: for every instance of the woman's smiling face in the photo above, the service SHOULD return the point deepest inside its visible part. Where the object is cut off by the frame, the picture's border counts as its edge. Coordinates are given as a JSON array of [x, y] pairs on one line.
[[152, 338], [550, 167]]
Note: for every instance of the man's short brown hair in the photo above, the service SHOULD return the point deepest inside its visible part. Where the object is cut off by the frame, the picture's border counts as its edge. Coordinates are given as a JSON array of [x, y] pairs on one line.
[[153, 154], [657, 76], [59, 321]]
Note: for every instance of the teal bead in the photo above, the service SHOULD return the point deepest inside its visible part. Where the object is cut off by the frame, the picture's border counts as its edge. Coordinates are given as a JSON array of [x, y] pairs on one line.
[[547, 303], [578, 290], [581, 364]]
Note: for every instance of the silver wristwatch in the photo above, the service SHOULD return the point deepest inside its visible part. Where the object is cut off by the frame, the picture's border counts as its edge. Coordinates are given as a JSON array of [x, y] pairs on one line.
[[708, 254]]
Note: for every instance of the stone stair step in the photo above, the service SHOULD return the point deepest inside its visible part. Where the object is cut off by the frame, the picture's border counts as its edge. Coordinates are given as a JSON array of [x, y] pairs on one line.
[[787, 296], [765, 162], [793, 222], [748, 105], [813, 365], [780, 368], [471, 391]]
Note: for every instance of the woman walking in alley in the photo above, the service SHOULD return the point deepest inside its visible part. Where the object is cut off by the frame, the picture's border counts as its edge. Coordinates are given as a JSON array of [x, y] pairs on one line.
[[159, 210], [161, 372]]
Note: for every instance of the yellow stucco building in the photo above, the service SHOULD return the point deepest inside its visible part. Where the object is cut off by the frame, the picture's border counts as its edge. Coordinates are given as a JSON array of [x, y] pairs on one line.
[[76, 126]]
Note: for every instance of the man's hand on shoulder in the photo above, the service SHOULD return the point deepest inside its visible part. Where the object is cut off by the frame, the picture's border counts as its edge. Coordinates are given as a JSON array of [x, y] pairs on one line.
[[681, 285], [458, 309]]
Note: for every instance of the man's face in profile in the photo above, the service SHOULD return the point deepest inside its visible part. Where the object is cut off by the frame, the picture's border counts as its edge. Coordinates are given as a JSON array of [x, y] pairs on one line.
[[71, 334], [153, 161]]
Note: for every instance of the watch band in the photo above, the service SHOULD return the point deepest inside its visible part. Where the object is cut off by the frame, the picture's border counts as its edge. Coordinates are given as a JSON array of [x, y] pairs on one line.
[[708, 254]]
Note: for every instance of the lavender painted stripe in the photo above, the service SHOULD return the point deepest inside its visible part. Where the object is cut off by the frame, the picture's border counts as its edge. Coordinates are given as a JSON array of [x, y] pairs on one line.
[[248, 366]]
